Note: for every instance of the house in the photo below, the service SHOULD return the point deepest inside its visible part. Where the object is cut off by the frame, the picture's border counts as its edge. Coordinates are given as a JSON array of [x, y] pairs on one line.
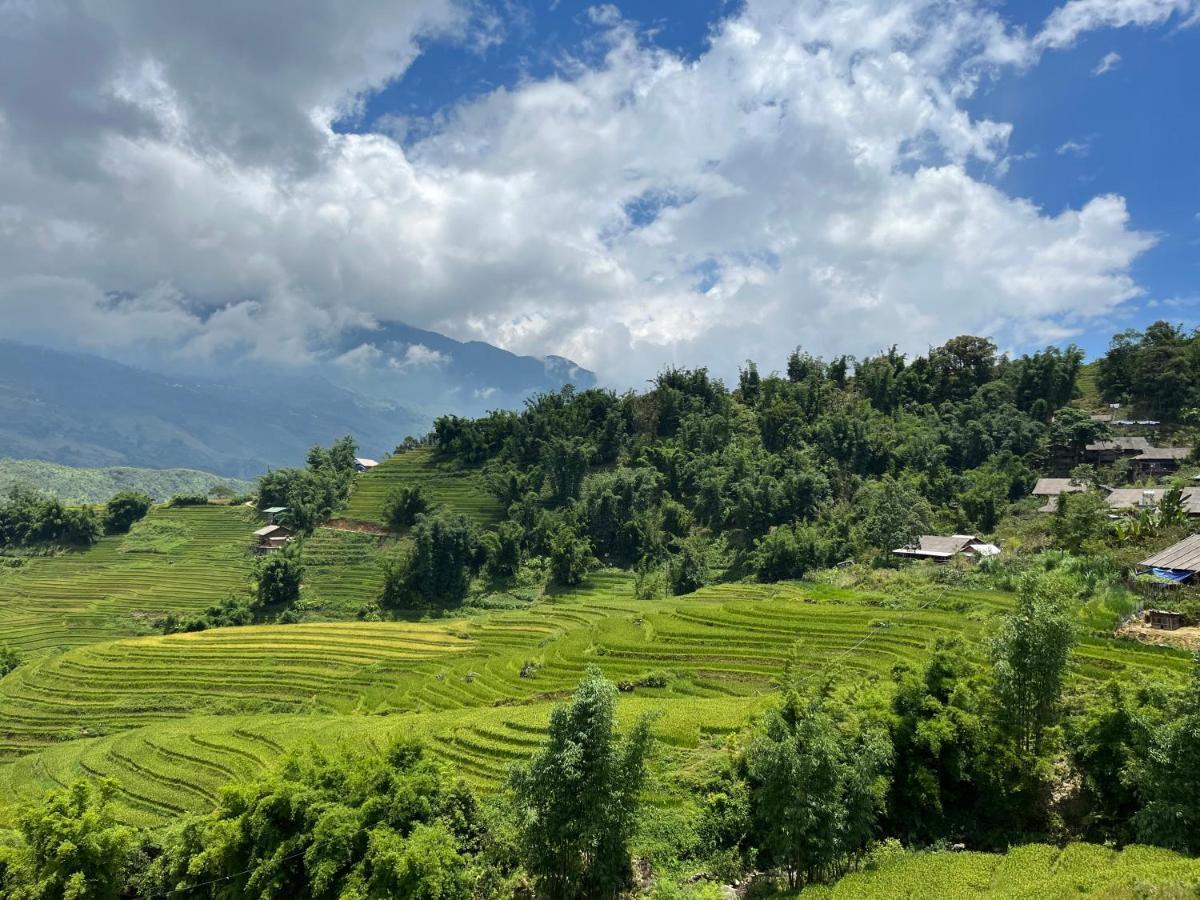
[[1102, 417], [271, 537], [1159, 461], [1105, 452], [1131, 499], [274, 512], [1164, 619], [942, 548], [1053, 488], [362, 464], [1179, 563]]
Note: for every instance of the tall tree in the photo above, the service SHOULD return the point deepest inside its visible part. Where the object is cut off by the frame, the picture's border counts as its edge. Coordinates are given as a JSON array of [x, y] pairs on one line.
[[578, 797]]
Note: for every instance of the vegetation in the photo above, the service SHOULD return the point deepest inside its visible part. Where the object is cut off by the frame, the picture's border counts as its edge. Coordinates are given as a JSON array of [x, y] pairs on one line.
[[86, 486]]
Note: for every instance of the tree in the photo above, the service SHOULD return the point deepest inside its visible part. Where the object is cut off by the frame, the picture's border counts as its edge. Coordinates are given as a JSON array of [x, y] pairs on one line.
[[403, 504], [566, 463], [1169, 779], [790, 551], [278, 577], [125, 508], [816, 791], [360, 823], [688, 568], [73, 847], [9, 659], [893, 514], [445, 553], [1078, 521], [570, 556], [578, 797], [1029, 657], [506, 549]]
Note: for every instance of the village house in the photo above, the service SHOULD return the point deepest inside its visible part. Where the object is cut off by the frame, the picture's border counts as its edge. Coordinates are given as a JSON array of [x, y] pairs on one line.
[[1107, 452], [1164, 619], [273, 513], [1159, 461], [362, 464], [271, 537], [1136, 499], [1053, 488], [1179, 563], [942, 548]]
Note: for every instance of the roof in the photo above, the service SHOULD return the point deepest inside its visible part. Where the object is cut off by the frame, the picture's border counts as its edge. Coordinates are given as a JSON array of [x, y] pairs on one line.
[[937, 546], [1121, 443], [367, 463], [1102, 417], [272, 510], [1179, 453], [1131, 498], [984, 551], [269, 530], [1052, 487], [1181, 557]]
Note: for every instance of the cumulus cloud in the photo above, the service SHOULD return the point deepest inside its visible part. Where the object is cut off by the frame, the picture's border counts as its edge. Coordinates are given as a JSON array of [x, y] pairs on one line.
[[418, 356], [177, 182], [1066, 23], [1107, 63]]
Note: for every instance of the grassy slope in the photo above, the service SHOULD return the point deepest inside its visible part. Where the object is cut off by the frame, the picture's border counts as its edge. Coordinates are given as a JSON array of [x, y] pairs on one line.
[[459, 492], [175, 560], [75, 485], [1030, 872]]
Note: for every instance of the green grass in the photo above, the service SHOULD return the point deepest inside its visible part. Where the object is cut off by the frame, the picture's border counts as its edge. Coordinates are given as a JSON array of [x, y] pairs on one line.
[[456, 491], [1029, 872], [341, 572], [75, 485], [175, 560]]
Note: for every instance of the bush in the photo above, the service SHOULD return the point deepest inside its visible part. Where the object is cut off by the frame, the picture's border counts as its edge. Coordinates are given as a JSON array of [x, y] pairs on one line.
[[688, 569], [9, 660], [570, 557], [125, 508], [278, 578], [188, 500], [404, 504]]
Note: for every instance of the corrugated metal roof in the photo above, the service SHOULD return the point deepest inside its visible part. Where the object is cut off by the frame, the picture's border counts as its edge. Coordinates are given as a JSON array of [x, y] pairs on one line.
[[1165, 453], [1131, 498], [1121, 443], [1052, 487], [269, 529], [937, 545], [1182, 557]]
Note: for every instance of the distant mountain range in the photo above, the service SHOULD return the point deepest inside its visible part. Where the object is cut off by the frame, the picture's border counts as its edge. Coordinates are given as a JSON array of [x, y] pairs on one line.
[[378, 385], [74, 485]]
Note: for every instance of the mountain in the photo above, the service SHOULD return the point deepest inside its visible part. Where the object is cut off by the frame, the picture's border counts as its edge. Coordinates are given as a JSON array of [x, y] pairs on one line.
[[75, 485], [437, 374], [83, 410]]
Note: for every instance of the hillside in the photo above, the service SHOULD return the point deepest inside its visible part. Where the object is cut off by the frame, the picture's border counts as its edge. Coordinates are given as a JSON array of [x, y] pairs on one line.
[[456, 490], [75, 485]]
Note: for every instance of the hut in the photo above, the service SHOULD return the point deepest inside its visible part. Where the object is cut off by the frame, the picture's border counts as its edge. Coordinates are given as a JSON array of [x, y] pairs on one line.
[[362, 464], [1159, 461], [942, 548], [1053, 488], [1178, 564], [271, 537], [273, 513], [1164, 619]]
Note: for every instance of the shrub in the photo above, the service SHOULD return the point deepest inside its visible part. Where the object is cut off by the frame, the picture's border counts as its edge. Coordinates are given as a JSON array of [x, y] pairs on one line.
[[125, 508]]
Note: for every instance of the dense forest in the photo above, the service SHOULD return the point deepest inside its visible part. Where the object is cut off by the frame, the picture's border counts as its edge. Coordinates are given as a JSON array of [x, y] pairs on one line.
[[819, 471]]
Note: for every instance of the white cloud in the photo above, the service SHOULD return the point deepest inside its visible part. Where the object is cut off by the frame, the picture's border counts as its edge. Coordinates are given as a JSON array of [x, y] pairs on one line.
[[418, 356], [808, 179], [1076, 17], [1075, 148], [1109, 62]]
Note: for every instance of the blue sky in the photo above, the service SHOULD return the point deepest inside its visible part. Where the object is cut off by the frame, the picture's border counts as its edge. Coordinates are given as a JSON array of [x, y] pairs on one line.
[[628, 185]]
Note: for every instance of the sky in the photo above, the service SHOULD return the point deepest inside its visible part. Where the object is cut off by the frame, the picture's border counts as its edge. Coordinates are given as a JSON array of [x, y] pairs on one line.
[[630, 185]]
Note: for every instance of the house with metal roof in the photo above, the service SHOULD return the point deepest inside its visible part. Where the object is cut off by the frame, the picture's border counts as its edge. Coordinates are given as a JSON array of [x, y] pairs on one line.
[[942, 548], [271, 537], [1053, 488], [362, 464], [1159, 461], [1179, 563], [1104, 452], [1134, 499]]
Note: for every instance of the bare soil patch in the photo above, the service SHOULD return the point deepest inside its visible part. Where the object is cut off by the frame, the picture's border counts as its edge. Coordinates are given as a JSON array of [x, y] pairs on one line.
[[1187, 638]]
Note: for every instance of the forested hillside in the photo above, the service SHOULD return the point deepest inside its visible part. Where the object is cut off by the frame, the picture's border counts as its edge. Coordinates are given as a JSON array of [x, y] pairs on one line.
[[655, 644], [74, 485]]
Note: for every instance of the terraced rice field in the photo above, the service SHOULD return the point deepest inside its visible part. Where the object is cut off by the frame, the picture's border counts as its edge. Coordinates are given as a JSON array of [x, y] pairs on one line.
[[175, 560], [341, 571], [457, 491], [1029, 872], [166, 769]]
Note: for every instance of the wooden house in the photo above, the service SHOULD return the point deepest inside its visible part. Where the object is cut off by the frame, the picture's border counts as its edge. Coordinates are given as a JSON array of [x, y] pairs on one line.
[[362, 464], [1164, 619], [1178, 564], [1159, 461], [271, 537], [1106, 452], [943, 548], [1053, 488], [273, 513]]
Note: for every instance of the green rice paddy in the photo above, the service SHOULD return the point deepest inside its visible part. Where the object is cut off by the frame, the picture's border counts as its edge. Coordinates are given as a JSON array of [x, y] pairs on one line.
[[458, 491]]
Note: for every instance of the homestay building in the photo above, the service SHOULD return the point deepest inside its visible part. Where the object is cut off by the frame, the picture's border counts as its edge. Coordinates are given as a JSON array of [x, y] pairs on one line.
[[271, 537], [1050, 489], [943, 548]]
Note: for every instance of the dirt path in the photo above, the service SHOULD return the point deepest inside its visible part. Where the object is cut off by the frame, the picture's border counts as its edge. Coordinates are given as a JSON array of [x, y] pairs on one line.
[[355, 525], [1182, 638]]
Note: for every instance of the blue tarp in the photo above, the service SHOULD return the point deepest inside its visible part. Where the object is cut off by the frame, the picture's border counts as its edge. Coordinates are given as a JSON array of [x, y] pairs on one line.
[[1170, 574]]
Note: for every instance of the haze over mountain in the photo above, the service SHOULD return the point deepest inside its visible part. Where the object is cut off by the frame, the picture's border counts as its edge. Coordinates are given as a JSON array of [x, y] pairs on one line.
[[85, 410]]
